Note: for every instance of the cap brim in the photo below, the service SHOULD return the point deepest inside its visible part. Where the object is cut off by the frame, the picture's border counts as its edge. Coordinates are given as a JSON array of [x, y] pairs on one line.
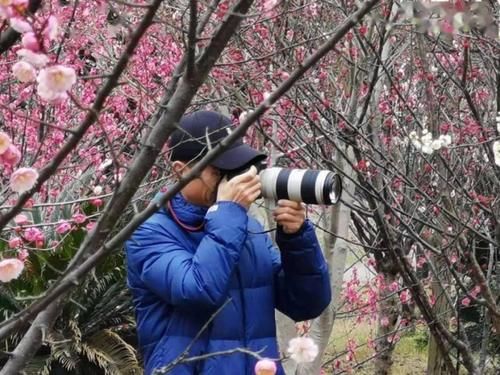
[[237, 157]]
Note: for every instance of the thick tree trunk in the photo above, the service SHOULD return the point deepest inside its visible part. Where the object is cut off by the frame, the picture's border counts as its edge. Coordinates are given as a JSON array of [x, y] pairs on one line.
[[388, 314], [435, 363]]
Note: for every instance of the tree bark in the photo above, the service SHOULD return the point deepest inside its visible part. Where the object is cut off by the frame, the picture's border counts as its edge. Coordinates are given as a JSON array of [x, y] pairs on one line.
[[388, 314], [435, 363]]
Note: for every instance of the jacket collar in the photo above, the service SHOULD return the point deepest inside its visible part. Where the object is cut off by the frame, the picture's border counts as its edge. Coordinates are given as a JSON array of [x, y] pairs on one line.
[[188, 213]]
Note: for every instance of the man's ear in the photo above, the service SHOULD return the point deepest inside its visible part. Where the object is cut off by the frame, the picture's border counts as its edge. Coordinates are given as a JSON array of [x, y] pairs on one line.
[[178, 167]]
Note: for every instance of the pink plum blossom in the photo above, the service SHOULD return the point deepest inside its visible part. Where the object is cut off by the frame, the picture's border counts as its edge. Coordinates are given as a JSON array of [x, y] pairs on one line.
[[351, 349], [10, 269], [466, 301], [475, 291], [265, 367], [384, 321], [38, 60], [79, 218], [20, 25], [21, 219], [63, 227], [5, 3], [302, 349], [24, 71], [23, 179], [3, 13], [404, 296], [33, 234], [97, 202], [52, 28], [11, 156], [394, 286], [90, 225], [4, 142], [30, 42], [393, 339], [20, 3], [15, 242], [22, 254]]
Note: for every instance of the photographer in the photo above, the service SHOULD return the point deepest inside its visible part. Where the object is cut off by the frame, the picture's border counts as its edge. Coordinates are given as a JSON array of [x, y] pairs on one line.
[[202, 251]]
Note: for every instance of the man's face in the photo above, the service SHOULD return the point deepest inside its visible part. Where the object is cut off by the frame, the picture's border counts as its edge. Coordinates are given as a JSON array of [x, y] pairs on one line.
[[202, 190]]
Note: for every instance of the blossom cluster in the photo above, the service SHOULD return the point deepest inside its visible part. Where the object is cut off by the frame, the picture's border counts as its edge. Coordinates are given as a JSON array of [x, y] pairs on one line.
[[427, 144], [496, 152], [54, 81], [22, 179], [301, 350]]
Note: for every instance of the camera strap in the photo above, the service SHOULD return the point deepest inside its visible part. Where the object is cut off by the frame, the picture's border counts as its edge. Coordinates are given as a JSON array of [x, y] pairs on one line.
[[189, 228]]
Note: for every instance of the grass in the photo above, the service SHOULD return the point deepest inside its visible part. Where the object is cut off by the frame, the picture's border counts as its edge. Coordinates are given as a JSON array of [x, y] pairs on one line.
[[410, 354]]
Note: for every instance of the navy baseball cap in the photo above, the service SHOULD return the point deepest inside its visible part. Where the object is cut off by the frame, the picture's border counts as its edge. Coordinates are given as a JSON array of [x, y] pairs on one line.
[[201, 131]]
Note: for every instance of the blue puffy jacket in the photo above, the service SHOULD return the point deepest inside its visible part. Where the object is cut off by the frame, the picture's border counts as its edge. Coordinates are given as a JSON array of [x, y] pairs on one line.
[[179, 278]]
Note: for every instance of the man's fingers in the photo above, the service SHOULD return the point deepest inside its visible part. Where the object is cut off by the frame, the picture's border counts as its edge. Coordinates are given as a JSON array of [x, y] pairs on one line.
[[247, 176], [290, 204], [287, 218], [289, 210]]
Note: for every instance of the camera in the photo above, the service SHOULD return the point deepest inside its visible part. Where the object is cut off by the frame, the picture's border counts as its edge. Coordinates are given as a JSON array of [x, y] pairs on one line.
[[301, 185]]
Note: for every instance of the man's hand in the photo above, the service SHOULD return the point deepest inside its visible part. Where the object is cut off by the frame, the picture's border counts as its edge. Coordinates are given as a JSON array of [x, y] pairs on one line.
[[290, 215], [243, 189]]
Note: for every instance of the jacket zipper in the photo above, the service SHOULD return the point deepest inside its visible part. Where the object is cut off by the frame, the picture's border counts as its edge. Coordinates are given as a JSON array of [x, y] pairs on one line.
[[243, 304]]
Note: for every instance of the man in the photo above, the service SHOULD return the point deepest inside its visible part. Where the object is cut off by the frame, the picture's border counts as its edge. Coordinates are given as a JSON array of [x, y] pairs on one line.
[[202, 251]]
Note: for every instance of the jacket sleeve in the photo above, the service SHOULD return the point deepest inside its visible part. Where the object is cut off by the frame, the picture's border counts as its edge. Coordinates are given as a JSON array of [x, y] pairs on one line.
[[302, 282], [186, 279]]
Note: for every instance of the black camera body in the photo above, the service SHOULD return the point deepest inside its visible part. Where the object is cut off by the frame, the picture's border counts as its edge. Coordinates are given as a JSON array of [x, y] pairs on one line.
[[235, 172]]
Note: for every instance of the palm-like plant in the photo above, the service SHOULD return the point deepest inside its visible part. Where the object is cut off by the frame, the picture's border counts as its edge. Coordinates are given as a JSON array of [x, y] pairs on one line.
[[94, 332]]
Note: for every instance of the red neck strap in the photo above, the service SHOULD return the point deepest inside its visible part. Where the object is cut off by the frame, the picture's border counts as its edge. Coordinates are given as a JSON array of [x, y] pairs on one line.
[[189, 228]]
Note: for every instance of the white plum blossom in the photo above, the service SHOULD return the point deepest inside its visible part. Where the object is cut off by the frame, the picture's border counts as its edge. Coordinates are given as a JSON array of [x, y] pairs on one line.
[[302, 349], [10, 269], [24, 71], [496, 152], [270, 4], [5, 142], [54, 82], [105, 164], [445, 139], [38, 60], [51, 96], [242, 116], [426, 137], [436, 144], [427, 149], [57, 78], [20, 25], [23, 179], [426, 143]]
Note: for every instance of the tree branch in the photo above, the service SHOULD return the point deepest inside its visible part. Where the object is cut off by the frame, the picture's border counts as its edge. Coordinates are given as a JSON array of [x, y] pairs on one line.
[[90, 119], [143, 162], [10, 36]]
